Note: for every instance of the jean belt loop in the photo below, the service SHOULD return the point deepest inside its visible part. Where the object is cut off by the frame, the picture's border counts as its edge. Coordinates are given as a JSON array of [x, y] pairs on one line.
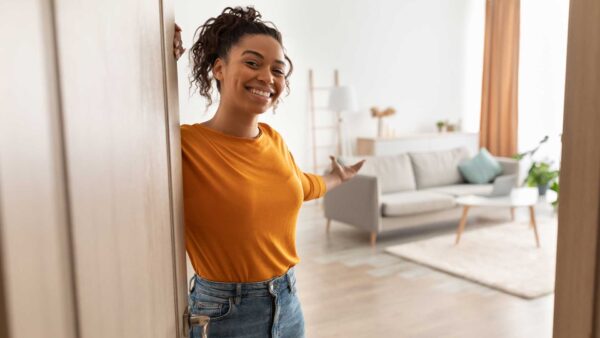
[[290, 281], [192, 281], [238, 293]]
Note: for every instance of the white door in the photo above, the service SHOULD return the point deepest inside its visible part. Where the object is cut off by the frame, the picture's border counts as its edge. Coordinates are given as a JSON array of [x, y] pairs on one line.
[[91, 233]]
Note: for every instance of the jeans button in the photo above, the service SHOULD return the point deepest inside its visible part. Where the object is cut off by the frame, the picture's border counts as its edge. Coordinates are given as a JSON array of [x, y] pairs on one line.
[[271, 287]]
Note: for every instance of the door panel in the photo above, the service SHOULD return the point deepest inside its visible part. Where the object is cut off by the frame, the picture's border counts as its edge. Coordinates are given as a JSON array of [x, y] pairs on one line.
[[577, 298], [35, 255], [115, 124]]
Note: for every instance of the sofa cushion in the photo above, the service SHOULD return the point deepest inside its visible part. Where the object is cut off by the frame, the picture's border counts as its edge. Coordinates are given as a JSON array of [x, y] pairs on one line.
[[480, 169], [438, 168], [394, 173], [414, 202], [457, 190]]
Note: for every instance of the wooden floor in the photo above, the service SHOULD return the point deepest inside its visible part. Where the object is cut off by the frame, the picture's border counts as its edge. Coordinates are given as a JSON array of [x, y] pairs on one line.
[[349, 289]]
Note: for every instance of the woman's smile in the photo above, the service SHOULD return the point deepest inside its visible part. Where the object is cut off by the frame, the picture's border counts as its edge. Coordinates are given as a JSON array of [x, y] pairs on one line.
[[261, 95]]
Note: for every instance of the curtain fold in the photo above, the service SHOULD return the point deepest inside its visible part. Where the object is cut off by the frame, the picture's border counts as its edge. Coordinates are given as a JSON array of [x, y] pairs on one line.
[[498, 129]]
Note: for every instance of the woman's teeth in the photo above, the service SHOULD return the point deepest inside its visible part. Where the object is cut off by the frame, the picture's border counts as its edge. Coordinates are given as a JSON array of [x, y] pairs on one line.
[[260, 92]]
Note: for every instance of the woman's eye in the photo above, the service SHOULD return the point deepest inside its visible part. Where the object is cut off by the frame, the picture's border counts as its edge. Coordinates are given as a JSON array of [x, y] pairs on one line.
[[252, 64], [279, 72]]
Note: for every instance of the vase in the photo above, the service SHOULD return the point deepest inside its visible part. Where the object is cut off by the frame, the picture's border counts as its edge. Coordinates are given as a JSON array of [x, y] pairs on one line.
[[542, 188]]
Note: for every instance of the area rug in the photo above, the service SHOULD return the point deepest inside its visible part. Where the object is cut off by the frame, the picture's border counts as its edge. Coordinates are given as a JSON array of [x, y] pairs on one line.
[[503, 256]]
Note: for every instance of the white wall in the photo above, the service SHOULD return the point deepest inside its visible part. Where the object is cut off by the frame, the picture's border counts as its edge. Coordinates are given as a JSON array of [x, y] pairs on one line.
[[473, 61], [542, 65], [422, 57]]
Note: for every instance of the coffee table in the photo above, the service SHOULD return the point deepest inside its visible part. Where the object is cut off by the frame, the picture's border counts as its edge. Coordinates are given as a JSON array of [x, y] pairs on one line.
[[519, 197]]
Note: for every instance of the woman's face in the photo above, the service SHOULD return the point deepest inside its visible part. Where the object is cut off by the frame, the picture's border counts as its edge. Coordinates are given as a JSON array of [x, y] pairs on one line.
[[253, 76]]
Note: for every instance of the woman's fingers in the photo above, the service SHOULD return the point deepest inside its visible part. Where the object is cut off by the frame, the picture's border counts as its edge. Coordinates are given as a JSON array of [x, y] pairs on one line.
[[345, 173], [178, 49], [335, 163], [356, 167]]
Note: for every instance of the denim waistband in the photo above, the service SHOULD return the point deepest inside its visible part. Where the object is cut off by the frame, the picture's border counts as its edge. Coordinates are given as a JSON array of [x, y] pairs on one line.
[[226, 289]]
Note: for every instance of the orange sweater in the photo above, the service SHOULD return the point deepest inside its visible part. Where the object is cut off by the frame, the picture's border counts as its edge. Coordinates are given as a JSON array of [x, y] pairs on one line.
[[241, 201]]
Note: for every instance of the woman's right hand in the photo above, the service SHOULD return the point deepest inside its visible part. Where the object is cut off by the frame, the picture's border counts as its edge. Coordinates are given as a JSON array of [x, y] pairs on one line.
[[178, 49]]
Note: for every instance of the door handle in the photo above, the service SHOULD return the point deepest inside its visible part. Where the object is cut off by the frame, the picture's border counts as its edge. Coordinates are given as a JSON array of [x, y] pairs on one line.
[[190, 320]]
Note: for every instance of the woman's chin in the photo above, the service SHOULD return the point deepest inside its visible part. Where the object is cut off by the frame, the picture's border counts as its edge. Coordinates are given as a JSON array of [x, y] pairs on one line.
[[261, 110]]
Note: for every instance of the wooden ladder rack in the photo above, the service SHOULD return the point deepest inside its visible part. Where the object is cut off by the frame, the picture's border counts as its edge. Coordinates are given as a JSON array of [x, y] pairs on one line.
[[317, 165]]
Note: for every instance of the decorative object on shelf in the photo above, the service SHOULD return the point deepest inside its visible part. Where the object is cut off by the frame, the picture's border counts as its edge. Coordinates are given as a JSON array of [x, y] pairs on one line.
[[440, 126], [446, 125], [342, 100], [380, 114]]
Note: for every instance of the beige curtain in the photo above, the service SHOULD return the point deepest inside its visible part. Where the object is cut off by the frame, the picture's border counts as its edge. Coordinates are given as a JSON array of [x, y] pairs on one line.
[[499, 99]]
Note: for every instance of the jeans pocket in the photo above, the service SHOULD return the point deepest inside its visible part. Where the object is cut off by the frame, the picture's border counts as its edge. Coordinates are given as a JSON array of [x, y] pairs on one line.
[[213, 307]]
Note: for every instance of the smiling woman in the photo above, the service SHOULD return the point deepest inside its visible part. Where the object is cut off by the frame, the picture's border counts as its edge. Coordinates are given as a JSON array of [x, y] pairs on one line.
[[242, 188]]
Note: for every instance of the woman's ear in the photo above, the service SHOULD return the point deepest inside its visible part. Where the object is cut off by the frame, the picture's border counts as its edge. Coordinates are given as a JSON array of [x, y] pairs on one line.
[[217, 69]]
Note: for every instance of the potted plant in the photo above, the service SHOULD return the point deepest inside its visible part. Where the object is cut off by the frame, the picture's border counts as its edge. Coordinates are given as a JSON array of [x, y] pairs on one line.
[[541, 175], [440, 125], [555, 187]]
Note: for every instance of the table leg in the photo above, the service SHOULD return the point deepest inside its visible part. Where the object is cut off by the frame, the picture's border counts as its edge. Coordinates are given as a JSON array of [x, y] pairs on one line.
[[534, 225], [461, 225], [512, 214]]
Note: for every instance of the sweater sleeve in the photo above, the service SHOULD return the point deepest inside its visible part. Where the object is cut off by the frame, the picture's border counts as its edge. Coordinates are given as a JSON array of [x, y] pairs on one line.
[[312, 185]]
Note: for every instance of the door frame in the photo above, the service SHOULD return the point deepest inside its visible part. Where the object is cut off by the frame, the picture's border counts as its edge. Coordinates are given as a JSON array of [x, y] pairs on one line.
[[171, 99]]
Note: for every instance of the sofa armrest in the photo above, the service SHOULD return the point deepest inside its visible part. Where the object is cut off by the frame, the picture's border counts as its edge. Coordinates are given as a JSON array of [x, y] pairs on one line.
[[355, 202], [510, 166]]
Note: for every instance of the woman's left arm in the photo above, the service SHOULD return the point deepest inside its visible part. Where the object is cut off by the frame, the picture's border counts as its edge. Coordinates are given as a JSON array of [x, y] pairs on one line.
[[340, 174]]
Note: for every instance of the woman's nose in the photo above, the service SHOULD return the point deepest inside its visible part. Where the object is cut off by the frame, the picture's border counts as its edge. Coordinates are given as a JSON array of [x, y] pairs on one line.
[[266, 76]]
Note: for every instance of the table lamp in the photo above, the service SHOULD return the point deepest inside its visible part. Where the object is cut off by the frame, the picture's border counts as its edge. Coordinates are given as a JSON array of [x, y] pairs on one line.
[[342, 100]]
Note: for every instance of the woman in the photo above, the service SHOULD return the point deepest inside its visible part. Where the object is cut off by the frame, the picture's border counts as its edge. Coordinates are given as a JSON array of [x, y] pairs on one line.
[[242, 188]]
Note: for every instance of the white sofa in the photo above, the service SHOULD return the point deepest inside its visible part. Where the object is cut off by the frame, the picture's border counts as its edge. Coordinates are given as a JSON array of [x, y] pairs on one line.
[[405, 190]]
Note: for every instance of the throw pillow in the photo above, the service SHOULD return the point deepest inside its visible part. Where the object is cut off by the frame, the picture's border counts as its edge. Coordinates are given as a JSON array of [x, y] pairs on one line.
[[481, 169]]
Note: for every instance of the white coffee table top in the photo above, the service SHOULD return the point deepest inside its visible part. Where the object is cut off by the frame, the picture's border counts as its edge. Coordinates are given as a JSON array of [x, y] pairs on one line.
[[519, 197]]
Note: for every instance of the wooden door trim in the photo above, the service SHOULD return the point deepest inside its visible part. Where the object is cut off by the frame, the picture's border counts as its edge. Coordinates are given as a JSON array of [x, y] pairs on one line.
[[171, 100], [62, 152], [577, 308], [3, 312]]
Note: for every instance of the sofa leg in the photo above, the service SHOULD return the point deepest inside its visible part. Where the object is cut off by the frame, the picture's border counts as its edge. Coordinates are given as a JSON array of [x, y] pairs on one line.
[[328, 226], [373, 238]]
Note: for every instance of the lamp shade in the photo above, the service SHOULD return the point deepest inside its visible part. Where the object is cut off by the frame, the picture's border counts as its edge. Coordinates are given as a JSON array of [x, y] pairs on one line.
[[342, 99]]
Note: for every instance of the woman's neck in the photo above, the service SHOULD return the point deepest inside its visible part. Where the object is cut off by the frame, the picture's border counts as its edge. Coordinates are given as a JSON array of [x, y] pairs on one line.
[[239, 125]]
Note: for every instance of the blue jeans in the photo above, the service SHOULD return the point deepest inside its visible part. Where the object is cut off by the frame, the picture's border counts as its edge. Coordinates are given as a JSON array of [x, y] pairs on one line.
[[264, 309]]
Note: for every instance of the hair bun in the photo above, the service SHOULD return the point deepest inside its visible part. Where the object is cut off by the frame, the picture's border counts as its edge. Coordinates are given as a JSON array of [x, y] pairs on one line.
[[249, 13]]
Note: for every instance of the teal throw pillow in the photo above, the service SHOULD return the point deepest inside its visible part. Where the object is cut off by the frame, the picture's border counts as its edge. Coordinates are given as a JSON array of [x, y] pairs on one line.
[[481, 169]]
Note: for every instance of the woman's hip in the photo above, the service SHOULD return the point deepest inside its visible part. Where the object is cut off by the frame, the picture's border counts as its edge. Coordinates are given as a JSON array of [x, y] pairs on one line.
[[268, 308]]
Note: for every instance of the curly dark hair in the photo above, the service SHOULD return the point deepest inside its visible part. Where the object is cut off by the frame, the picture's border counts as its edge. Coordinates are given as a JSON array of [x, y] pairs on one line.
[[218, 35]]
